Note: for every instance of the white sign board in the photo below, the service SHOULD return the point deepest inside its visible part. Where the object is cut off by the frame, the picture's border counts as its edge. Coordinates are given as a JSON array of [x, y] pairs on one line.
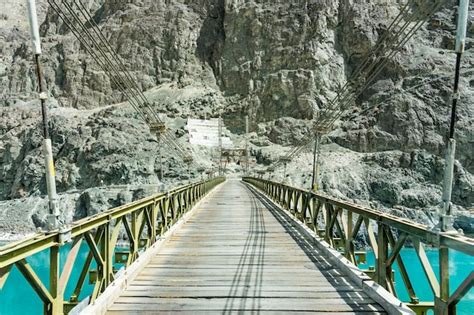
[[205, 133]]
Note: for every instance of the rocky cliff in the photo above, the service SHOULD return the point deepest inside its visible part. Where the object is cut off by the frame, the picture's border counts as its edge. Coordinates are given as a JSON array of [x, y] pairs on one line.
[[278, 61]]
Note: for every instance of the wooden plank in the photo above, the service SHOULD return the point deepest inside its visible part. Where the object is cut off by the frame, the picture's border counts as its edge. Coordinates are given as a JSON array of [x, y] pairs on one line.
[[262, 312], [224, 288], [220, 293], [219, 262], [243, 305], [220, 282], [282, 258], [264, 276], [224, 273], [240, 282], [286, 270], [267, 302], [304, 268]]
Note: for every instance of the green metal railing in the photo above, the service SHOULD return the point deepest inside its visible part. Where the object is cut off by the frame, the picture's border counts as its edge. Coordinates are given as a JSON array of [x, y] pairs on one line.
[[339, 223], [143, 221]]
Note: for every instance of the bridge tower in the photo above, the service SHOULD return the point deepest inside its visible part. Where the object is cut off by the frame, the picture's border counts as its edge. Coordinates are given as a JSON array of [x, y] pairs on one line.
[[319, 131], [53, 216], [219, 139], [446, 221], [247, 153], [159, 129], [316, 152], [285, 160]]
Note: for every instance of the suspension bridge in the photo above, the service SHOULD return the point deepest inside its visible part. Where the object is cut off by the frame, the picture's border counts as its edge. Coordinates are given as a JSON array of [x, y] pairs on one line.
[[235, 245]]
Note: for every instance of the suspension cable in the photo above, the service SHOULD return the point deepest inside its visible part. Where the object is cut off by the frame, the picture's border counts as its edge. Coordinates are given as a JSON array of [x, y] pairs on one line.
[[109, 61], [397, 35]]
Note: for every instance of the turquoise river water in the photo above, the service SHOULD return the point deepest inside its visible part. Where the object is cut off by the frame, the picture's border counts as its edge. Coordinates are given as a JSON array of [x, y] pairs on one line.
[[17, 297]]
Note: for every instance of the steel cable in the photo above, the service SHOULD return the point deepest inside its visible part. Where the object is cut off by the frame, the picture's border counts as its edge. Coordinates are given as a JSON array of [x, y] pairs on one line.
[[370, 68], [116, 71]]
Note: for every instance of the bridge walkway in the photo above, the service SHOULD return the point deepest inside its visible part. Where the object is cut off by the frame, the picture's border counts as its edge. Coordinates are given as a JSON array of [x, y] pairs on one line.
[[238, 254]]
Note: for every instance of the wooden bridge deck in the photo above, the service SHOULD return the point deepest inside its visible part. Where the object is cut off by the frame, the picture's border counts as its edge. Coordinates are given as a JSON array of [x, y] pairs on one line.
[[235, 255]]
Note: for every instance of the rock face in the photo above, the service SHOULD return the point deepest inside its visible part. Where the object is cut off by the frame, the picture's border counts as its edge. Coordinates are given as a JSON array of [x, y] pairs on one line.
[[279, 62], [278, 57], [94, 148]]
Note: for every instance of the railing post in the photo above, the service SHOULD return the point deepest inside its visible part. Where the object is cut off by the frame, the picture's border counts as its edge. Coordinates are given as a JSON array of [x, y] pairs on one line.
[[305, 207], [134, 242], [154, 214], [314, 214], [166, 209], [281, 194], [57, 304], [349, 246], [106, 254], [290, 198], [185, 201], [327, 227], [296, 203], [172, 208], [441, 301], [182, 203], [283, 197], [382, 247]]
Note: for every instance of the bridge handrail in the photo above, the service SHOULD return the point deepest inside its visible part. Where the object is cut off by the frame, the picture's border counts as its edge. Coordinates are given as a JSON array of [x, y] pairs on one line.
[[340, 232], [143, 220], [85, 224]]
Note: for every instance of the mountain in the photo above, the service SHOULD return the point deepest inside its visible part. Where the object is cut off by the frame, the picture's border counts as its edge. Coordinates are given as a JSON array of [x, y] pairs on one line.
[[279, 62]]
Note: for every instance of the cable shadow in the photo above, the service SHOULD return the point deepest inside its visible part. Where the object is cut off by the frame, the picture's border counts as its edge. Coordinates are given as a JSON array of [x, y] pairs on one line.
[[249, 271]]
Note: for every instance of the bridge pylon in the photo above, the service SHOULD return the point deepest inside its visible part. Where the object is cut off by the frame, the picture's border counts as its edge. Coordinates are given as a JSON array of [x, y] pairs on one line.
[[53, 216], [159, 128]]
